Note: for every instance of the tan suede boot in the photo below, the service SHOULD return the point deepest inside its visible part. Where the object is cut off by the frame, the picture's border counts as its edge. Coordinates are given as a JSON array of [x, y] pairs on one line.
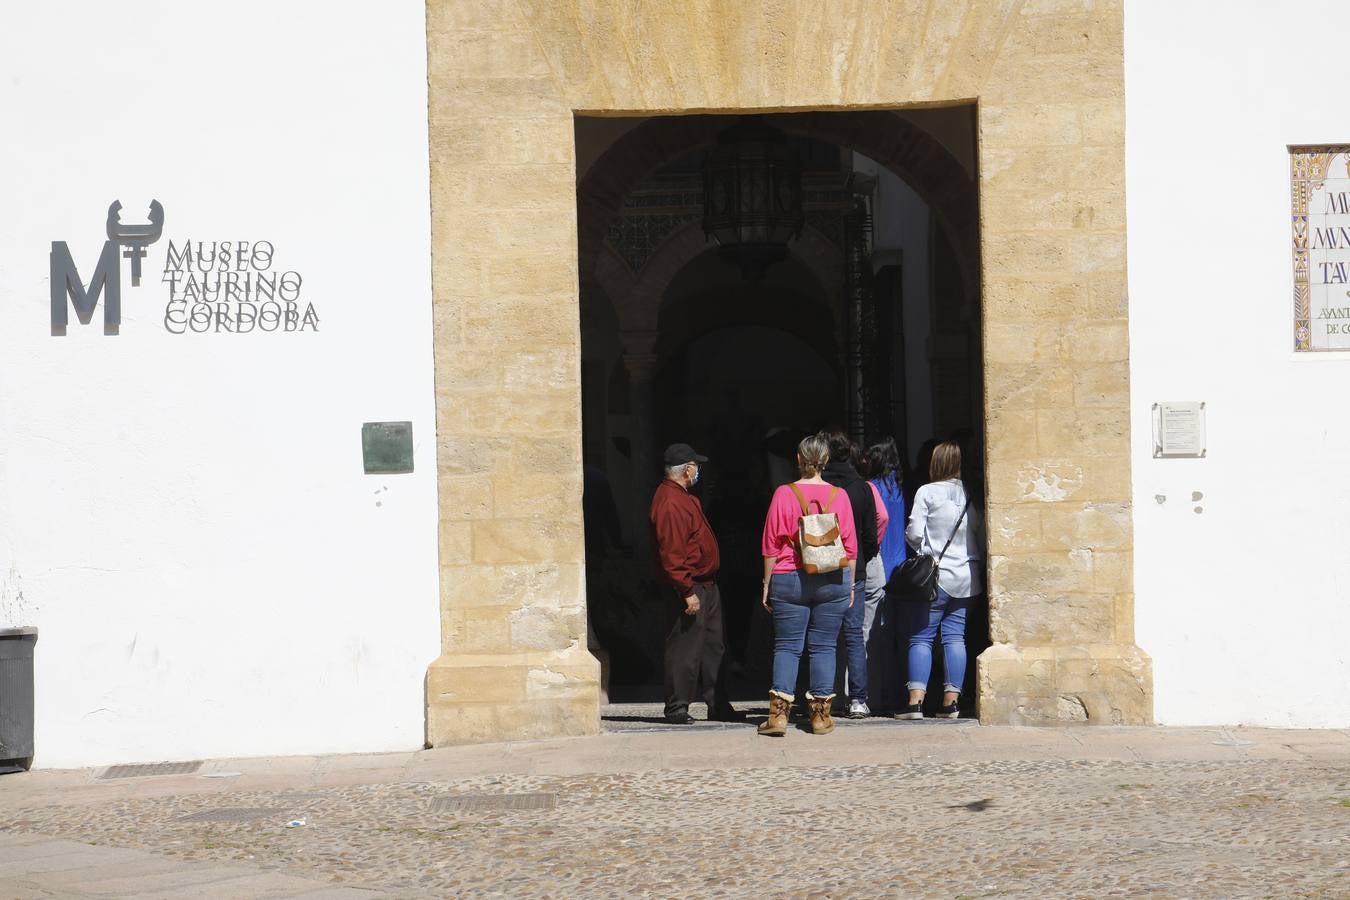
[[821, 723], [776, 724]]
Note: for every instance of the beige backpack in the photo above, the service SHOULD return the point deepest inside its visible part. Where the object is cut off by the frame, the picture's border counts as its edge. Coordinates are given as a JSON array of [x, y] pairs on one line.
[[822, 547]]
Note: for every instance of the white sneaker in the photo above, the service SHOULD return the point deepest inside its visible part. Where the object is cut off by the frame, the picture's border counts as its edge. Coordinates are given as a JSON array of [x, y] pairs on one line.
[[857, 709]]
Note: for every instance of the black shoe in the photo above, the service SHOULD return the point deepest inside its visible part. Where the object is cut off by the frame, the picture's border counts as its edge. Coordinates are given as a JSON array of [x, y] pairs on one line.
[[727, 714], [912, 711], [680, 719], [950, 711]]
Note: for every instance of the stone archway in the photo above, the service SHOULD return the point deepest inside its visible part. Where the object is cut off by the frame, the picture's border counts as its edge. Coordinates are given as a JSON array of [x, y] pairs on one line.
[[639, 300], [504, 86]]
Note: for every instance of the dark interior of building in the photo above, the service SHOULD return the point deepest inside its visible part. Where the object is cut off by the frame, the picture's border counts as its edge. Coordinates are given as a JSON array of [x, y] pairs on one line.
[[843, 291]]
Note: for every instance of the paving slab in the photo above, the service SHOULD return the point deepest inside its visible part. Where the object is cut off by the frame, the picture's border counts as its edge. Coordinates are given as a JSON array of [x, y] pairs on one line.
[[128, 864], [1306, 750], [391, 762], [182, 879], [54, 856], [64, 868], [20, 839], [247, 887]]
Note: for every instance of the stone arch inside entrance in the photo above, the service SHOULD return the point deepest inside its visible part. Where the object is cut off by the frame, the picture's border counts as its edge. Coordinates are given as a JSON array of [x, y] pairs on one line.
[[699, 346], [707, 294]]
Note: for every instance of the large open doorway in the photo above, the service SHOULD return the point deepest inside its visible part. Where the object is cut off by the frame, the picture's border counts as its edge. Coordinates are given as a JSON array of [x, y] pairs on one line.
[[869, 320]]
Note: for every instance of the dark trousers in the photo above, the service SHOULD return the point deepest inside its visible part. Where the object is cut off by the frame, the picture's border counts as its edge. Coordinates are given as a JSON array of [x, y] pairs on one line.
[[695, 649]]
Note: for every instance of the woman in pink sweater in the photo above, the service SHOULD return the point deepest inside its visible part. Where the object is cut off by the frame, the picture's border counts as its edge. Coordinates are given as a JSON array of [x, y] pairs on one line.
[[807, 609]]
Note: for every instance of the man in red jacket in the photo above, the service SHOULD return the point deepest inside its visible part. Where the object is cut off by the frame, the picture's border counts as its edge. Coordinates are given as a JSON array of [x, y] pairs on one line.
[[687, 550]]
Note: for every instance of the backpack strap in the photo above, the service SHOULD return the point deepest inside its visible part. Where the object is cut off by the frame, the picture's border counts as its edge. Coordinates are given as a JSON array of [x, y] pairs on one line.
[[806, 507]]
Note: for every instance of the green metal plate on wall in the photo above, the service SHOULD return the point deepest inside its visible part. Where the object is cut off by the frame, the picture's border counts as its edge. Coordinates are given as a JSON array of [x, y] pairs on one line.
[[387, 447]]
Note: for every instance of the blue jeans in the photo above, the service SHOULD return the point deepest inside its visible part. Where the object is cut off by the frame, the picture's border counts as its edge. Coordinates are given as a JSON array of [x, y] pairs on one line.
[[855, 643], [947, 614], [807, 612]]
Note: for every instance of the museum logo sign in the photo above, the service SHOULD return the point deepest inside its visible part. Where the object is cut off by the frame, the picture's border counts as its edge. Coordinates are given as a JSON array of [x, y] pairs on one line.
[[211, 287]]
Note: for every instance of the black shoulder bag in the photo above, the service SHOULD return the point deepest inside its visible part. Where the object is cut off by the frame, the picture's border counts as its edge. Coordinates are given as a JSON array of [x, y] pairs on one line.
[[915, 580]]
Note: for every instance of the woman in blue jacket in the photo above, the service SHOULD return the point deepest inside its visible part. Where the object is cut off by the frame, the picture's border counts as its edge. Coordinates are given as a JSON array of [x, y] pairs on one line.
[[883, 470], [882, 466]]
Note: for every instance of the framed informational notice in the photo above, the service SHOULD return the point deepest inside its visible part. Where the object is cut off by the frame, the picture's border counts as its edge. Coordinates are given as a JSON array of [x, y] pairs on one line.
[[1320, 190], [1179, 430]]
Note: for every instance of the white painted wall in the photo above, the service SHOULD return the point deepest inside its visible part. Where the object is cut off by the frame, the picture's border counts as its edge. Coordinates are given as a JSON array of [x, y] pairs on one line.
[[1245, 607], [186, 516]]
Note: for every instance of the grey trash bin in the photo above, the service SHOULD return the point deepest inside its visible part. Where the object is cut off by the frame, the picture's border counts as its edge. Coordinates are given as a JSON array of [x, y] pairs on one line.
[[16, 698]]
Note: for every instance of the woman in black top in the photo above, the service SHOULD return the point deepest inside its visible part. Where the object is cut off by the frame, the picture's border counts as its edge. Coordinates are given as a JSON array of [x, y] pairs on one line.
[[841, 472]]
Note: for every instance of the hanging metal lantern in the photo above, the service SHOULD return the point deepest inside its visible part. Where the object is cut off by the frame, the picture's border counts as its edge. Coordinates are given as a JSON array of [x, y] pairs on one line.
[[752, 195]]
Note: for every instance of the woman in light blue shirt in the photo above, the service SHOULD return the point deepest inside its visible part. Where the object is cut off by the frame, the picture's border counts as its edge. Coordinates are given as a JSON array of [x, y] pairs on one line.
[[942, 511]]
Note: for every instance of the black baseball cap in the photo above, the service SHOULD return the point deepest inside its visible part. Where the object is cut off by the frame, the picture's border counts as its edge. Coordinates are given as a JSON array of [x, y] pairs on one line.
[[679, 454]]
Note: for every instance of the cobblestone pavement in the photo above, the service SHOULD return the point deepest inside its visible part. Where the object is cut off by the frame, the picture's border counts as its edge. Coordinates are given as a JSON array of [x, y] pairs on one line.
[[897, 809]]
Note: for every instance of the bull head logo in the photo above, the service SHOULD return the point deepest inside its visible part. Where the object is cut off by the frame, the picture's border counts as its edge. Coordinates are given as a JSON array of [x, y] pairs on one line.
[[135, 238]]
